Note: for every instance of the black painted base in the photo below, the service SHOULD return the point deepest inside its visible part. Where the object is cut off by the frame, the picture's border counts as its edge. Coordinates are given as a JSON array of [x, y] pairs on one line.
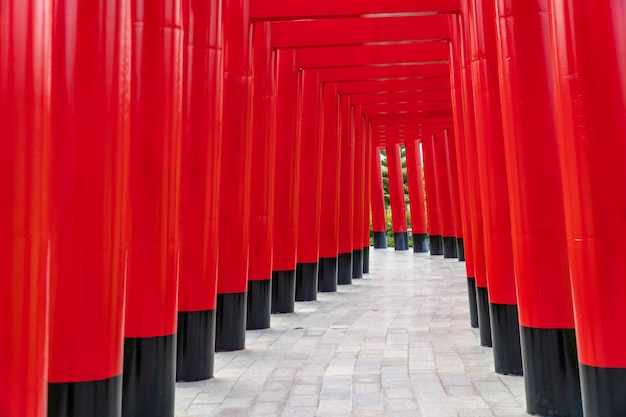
[[259, 304], [484, 322], [327, 275], [401, 241], [436, 244], [149, 376], [195, 345], [507, 353], [86, 399], [283, 291], [551, 375], [230, 323], [344, 271], [449, 247], [420, 243], [380, 240], [460, 249], [306, 281], [473, 309], [603, 390], [366, 259], [357, 263]]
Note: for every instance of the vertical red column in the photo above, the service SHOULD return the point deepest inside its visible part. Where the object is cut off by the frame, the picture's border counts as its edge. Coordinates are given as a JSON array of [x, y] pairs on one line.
[[444, 192], [286, 181], [346, 192], [89, 160], [200, 170], [331, 170], [537, 213], [379, 223], [153, 265], [234, 196], [358, 204], [262, 181], [416, 195], [494, 190], [396, 196], [367, 190], [432, 198], [310, 189], [25, 43], [455, 193], [589, 48], [464, 245]]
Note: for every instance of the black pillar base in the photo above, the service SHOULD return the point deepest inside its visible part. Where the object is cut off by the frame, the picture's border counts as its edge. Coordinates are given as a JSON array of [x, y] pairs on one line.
[[283, 291], [149, 376], [366, 259], [551, 375], [230, 323], [195, 345], [344, 273], [380, 240], [259, 304], [436, 244], [473, 309], [327, 275], [420, 243], [460, 249], [449, 247], [357, 263], [507, 353], [306, 281], [603, 390], [86, 399], [401, 241], [484, 323]]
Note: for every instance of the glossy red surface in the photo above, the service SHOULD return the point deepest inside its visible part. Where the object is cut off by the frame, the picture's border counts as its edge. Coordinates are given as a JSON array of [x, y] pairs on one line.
[[444, 190], [415, 181], [396, 189], [91, 81], [25, 48], [331, 169], [453, 174], [433, 208], [367, 186], [537, 215], [263, 156], [287, 173], [359, 179], [346, 177], [201, 147], [309, 204], [234, 197], [379, 223], [489, 145], [382, 86], [589, 49], [155, 167]]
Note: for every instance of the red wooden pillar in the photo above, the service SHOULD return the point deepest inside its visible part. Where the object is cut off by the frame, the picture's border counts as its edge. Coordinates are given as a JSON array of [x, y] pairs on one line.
[[537, 212], [589, 49], [202, 138], [367, 190], [331, 170], [286, 181], [415, 180], [234, 195], [444, 192], [432, 197], [359, 194], [262, 181], [89, 161], [26, 33], [309, 205], [346, 193], [396, 196], [453, 176], [494, 190], [379, 223], [153, 264]]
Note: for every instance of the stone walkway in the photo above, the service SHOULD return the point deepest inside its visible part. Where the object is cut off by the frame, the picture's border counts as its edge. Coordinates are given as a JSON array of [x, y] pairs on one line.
[[395, 343]]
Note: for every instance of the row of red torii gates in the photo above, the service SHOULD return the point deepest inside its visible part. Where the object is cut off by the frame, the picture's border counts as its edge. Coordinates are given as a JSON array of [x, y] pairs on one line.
[[174, 171]]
